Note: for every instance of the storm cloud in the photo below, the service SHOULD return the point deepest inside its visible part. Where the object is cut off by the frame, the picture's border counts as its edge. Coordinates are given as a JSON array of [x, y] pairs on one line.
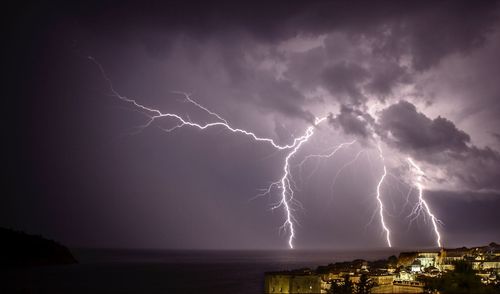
[[439, 141], [411, 131], [353, 122], [418, 77]]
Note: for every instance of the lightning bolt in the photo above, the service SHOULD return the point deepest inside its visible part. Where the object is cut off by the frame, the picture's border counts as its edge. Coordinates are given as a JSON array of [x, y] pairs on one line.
[[343, 167], [325, 156], [379, 200], [188, 99], [155, 114], [285, 183], [422, 204], [328, 155]]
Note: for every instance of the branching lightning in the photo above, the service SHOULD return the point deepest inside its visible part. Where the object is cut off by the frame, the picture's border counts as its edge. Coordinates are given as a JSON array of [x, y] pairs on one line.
[[324, 156], [345, 166], [422, 204], [285, 184], [155, 114], [328, 155]]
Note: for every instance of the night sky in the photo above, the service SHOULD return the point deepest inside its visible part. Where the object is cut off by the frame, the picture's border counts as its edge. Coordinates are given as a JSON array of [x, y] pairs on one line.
[[419, 78]]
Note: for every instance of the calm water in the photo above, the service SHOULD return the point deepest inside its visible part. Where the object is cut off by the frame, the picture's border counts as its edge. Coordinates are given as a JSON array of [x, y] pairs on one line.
[[151, 271]]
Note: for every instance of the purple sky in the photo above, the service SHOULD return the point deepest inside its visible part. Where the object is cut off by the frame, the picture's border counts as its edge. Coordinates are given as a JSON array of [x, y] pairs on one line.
[[420, 78]]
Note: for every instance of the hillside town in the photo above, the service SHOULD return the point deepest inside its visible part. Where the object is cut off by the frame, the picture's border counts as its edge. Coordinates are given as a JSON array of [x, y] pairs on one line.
[[406, 273]]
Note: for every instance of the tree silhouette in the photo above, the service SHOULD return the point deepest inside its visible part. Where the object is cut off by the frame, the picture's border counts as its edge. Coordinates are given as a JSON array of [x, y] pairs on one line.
[[365, 285], [462, 280], [345, 287]]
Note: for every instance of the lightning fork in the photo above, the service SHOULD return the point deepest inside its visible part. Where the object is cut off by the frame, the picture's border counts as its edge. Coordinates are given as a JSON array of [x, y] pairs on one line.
[[379, 200], [422, 204], [340, 170], [285, 183]]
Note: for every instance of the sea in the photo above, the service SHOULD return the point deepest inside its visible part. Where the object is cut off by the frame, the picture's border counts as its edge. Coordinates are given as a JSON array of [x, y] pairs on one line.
[[110, 271]]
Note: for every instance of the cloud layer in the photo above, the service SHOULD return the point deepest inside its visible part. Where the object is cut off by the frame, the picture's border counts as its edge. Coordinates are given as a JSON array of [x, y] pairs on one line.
[[419, 77]]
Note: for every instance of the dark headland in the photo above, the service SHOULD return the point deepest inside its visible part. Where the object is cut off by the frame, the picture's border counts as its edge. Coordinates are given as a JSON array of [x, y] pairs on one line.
[[21, 249]]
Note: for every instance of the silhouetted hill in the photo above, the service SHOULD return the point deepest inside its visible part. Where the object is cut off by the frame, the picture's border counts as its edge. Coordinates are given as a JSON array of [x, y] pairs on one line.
[[21, 249]]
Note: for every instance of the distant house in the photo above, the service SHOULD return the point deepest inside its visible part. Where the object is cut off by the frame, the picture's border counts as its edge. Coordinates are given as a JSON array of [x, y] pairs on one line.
[[488, 264], [292, 282], [491, 264], [428, 259], [400, 287], [424, 258], [493, 249], [416, 266], [449, 256], [405, 276], [386, 279]]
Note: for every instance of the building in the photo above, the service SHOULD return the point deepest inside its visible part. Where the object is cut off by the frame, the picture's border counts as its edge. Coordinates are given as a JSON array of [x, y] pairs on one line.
[[428, 259], [405, 276], [400, 287], [450, 256], [292, 282], [382, 279], [493, 264], [416, 266]]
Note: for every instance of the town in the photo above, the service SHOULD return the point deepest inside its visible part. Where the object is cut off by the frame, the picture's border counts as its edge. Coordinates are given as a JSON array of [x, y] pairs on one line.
[[407, 273]]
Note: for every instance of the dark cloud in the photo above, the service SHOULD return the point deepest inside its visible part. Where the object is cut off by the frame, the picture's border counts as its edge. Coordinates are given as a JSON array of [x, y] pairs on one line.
[[385, 76], [190, 189], [353, 122], [463, 213], [347, 71], [436, 141], [411, 131], [497, 136], [281, 96], [344, 79], [424, 31], [477, 168], [460, 29], [439, 141]]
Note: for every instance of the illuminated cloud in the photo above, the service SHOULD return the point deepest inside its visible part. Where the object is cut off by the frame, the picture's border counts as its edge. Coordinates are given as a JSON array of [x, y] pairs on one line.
[[418, 77]]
